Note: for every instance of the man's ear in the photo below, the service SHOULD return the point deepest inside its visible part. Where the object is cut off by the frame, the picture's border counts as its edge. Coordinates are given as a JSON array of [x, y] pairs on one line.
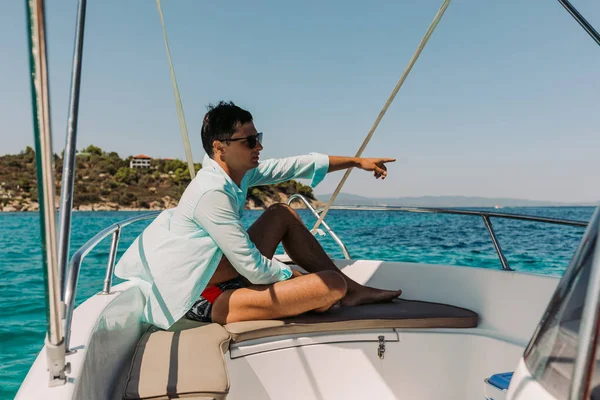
[[218, 147]]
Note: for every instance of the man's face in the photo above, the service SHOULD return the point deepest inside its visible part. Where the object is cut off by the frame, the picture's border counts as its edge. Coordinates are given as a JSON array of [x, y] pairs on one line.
[[238, 153]]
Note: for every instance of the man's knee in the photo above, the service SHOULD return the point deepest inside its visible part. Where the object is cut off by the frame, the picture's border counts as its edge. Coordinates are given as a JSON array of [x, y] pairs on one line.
[[335, 282], [282, 210]]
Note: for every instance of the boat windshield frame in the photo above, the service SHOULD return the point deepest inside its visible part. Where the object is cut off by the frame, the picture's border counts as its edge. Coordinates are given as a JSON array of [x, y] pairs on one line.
[[582, 274]]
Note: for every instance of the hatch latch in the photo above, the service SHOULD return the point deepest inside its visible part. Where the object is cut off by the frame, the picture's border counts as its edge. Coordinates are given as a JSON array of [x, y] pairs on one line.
[[381, 349]]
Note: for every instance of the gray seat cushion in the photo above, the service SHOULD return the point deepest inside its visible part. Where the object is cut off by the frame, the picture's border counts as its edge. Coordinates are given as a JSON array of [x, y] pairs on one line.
[[397, 314], [186, 364]]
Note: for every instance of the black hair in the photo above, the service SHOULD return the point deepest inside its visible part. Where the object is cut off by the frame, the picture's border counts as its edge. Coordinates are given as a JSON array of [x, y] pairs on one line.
[[221, 122]]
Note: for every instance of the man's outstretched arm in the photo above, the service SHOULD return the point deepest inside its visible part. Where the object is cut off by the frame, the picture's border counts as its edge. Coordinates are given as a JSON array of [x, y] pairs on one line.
[[377, 165]]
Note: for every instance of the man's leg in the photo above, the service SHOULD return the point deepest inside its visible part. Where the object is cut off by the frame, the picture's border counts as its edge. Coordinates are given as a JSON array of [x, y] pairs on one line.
[[312, 292], [305, 251], [279, 223]]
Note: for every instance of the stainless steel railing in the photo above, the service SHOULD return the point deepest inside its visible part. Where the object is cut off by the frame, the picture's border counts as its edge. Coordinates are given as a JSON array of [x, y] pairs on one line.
[[335, 237], [77, 259], [485, 215], [115, 231]]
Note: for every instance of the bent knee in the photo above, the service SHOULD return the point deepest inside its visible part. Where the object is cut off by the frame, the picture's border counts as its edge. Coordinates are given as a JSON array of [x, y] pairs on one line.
[[283, 209], [335, 282]]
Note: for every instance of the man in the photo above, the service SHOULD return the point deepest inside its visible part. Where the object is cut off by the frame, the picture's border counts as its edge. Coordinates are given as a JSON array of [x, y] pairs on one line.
[[197, 261]]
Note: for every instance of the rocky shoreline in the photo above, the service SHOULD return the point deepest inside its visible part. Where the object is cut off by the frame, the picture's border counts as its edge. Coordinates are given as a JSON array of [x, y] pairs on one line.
[[26, 205]]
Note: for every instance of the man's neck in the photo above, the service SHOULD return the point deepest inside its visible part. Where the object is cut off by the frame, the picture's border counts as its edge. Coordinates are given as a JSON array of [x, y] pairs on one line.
[[236, 176]]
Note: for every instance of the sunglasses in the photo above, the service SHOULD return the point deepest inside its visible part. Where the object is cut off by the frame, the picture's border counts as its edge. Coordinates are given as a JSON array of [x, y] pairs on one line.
[[250, 140]]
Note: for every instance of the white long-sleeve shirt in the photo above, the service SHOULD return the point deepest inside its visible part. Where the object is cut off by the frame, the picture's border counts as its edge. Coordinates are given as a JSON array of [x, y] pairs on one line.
[[176, 255]]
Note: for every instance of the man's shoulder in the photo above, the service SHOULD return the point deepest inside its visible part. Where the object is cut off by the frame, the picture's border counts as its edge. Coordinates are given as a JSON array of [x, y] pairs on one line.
[[209, 179], [206, 181]]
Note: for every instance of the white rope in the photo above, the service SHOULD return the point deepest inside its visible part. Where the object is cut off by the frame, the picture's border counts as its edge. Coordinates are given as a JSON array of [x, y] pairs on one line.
[[432, 27], [180, 116]]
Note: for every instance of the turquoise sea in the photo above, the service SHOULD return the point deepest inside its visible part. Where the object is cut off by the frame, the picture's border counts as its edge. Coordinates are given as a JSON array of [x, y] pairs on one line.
[[396, 236]]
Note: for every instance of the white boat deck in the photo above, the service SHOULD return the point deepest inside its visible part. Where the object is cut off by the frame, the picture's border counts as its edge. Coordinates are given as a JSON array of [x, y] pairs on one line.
[[444, 363]]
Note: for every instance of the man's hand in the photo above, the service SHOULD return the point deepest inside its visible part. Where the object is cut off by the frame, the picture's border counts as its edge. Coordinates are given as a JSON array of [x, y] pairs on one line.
[[296, 273], [377, 165]]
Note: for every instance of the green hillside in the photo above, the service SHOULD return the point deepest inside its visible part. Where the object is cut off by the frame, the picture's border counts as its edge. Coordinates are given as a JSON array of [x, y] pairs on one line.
[[104, 181]]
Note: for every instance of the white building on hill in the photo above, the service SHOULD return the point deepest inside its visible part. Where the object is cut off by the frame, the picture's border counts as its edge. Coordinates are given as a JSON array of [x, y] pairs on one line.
[[140, 161]]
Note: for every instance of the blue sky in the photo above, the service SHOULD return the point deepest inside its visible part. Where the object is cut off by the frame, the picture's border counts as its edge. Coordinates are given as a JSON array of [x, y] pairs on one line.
[[503, 102]]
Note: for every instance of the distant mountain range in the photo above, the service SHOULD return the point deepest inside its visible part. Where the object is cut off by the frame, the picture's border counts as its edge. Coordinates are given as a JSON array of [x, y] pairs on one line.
[[444, 201]]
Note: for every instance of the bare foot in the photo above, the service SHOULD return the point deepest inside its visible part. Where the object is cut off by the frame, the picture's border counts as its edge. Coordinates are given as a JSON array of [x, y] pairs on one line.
[[368, 295]]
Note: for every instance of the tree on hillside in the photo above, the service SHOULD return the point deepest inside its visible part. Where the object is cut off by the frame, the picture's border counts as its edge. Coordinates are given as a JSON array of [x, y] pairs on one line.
[[127, 176], [93, 150], [110, 164], [167, 166]]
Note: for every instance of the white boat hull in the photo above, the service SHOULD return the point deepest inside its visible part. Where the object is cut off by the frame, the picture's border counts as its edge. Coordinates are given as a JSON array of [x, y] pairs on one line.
[[417, 364]]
